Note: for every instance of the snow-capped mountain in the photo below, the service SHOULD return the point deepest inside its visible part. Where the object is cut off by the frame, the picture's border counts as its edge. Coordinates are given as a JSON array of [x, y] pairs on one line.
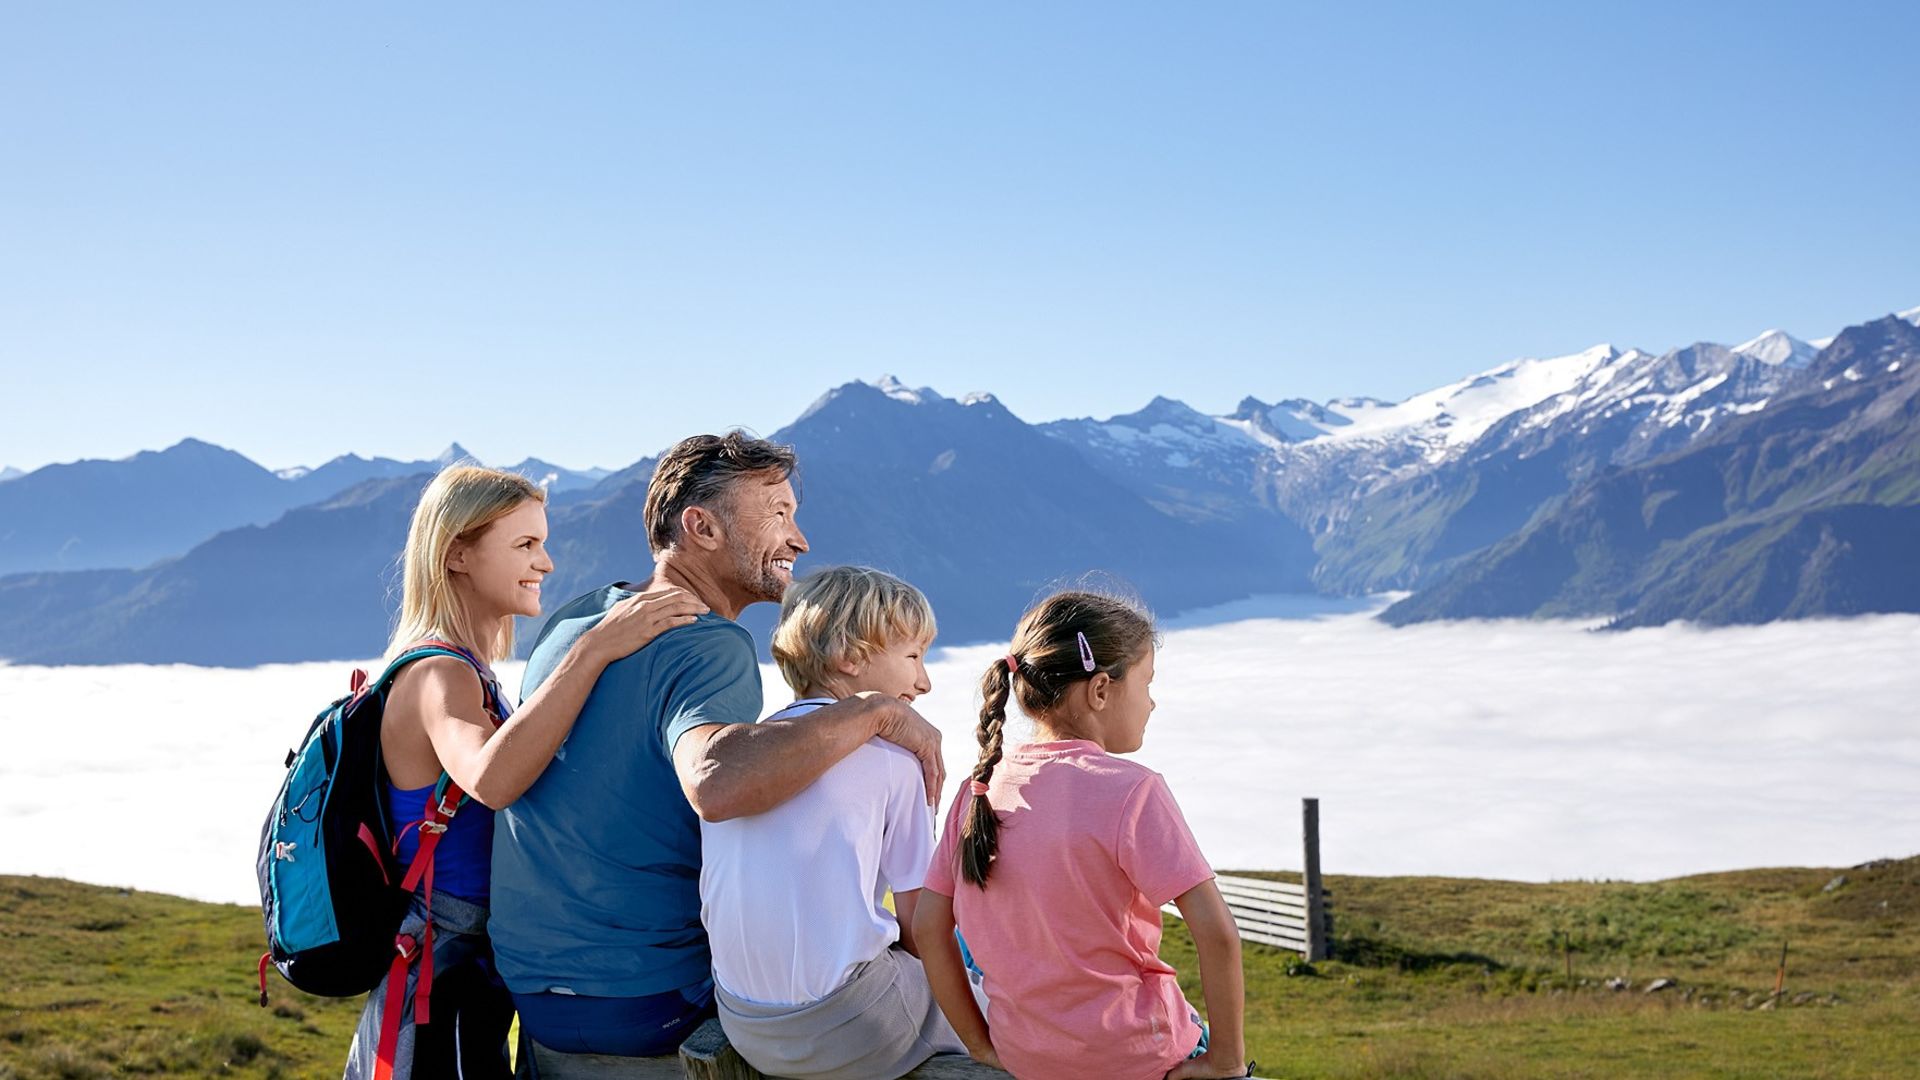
[[1779, 347], [1451, 417], [1806, 507], [1397, 490], [1657, 477], [558, 478], [1181, 460], [9, 472]]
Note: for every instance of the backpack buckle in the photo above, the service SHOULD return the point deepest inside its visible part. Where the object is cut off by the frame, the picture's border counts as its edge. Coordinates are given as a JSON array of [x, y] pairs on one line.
[[433, 826], [445, 809], [406, 946]]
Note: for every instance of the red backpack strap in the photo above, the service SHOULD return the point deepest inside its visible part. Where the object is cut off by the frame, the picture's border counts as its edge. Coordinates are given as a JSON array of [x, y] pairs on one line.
[[442, 804]]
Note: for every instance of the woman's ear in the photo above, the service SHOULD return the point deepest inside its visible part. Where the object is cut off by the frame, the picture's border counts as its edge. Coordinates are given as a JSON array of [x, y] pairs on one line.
[[457, 557]]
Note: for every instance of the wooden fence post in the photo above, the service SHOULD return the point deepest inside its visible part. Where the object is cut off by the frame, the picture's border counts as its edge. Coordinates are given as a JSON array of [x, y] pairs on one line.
[[1310, 879]]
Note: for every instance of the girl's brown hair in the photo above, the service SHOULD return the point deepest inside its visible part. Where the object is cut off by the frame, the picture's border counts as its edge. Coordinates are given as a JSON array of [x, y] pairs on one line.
[[1047, 660]]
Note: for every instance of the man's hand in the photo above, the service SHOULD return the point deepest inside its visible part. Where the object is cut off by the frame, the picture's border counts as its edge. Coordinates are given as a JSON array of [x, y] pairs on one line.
[[900, 725]]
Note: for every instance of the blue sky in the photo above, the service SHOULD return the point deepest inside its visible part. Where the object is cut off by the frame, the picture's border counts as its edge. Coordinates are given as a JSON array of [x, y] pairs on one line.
[[583, 232]]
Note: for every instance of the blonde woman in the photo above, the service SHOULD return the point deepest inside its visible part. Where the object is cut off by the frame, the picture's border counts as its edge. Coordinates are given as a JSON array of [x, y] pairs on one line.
[[475, 557]]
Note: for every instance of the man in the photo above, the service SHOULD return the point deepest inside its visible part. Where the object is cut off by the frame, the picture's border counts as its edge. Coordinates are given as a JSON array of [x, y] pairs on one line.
[[596, 903]]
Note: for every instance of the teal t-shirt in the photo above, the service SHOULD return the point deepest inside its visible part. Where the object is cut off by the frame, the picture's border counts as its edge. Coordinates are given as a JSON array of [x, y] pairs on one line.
[[596, 869]]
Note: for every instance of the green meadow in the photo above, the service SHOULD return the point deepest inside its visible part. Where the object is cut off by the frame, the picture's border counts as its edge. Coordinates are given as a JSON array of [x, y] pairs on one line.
[[1432, 977]]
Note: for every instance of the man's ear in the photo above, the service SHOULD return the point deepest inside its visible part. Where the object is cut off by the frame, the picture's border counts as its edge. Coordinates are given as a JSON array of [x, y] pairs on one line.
[[702, 528]]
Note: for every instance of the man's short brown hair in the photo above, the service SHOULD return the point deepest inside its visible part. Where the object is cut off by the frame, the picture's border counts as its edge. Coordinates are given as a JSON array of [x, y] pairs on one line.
[[699, 471]]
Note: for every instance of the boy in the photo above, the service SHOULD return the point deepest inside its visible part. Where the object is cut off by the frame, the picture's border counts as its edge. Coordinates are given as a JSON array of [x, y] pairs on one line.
[[815, 979]]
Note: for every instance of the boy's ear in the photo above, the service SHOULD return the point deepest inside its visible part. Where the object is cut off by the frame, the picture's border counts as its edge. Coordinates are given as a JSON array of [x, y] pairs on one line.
[[853, 662]]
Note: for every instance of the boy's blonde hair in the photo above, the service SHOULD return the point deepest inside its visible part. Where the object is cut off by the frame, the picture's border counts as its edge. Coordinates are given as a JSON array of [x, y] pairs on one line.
[[844, 613]]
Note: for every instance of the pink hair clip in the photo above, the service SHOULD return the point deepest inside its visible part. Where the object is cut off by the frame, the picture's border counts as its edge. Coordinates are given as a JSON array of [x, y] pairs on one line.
[[978, 787], [1086, 652]]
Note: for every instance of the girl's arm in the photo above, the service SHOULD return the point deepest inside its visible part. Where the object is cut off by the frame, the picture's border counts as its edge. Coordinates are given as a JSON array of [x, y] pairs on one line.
[[933, 931], [904, 905], [496, 766], [1221, 982]]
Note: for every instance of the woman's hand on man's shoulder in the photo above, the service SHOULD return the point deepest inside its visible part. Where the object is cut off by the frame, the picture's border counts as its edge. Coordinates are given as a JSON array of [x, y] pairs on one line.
[[633, 623]]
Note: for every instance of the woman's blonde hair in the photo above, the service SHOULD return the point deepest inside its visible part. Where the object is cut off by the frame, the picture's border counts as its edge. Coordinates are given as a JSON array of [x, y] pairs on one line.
[[844, 613], [456, 506]]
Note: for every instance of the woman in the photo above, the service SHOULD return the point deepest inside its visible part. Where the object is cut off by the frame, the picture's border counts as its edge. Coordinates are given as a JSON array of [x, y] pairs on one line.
[[475, 557]]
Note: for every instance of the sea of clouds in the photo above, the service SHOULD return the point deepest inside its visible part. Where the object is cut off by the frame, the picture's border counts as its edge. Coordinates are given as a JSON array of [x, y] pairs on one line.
[[1534, 751]]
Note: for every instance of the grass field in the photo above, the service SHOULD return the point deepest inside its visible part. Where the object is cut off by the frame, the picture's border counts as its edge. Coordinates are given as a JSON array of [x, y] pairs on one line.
[[1433, 977]]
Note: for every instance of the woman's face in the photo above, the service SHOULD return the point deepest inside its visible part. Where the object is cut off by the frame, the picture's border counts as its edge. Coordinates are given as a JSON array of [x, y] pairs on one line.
[[499, 569]]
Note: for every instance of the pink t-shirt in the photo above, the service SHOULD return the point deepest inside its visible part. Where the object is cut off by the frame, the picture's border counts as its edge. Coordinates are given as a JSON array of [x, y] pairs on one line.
[[1067, 928]]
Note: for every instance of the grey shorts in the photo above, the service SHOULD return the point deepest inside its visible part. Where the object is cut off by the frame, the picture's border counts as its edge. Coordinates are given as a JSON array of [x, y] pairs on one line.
[[878, 1025]]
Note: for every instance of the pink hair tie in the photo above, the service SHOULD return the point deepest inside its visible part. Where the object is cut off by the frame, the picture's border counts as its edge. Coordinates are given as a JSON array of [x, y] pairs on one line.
[[1013, 664], [978, 787]]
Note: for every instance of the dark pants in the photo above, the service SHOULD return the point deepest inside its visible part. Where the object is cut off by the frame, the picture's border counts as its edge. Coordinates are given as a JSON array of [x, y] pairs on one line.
[[470, 1010], [626, 1027]]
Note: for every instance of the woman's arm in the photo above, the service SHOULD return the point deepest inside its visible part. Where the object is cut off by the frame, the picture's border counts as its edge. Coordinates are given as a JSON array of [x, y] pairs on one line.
[[496, 766], [940, 953], [1221, 982]]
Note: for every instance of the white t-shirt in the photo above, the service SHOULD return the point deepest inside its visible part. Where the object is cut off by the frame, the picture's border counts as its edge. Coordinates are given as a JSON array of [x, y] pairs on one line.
[[792, 898]]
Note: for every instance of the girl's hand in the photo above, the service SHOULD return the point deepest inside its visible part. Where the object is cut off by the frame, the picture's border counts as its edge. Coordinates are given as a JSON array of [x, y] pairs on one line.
[[634, 622], [986, 1055], [1207, 1067]]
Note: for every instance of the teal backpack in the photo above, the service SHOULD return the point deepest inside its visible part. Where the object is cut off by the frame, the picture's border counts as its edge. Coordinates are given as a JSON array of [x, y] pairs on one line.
[[331, 889]]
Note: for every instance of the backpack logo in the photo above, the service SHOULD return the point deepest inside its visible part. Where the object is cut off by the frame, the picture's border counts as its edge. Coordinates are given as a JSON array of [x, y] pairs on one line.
[[283, 851]]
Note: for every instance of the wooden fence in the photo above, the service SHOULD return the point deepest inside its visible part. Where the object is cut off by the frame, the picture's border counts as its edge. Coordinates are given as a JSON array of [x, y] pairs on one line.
[[1280, 913]]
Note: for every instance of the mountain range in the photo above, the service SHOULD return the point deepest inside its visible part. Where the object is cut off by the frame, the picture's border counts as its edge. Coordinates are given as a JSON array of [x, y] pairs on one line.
[[1777, 478]]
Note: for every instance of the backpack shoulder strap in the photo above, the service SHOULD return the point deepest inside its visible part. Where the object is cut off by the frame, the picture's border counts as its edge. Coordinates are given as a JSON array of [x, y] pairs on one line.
[[430, 647]]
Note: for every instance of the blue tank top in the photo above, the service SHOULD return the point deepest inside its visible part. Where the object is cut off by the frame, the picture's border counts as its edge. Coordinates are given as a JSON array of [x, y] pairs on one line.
[[463, 863]]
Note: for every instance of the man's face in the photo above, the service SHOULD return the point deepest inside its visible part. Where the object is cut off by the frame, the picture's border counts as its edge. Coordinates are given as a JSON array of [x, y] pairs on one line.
[[762, 536]]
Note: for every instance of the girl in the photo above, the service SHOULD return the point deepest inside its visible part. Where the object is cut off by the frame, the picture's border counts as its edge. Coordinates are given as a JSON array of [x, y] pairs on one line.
[[1055, 860], [475, 557]]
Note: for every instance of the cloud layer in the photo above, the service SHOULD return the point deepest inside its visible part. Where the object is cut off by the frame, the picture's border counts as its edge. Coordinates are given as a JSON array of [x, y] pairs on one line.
[[1519, 750]]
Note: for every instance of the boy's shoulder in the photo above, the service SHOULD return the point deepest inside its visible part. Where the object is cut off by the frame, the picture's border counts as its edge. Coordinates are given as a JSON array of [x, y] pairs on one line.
[[799, 708]]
